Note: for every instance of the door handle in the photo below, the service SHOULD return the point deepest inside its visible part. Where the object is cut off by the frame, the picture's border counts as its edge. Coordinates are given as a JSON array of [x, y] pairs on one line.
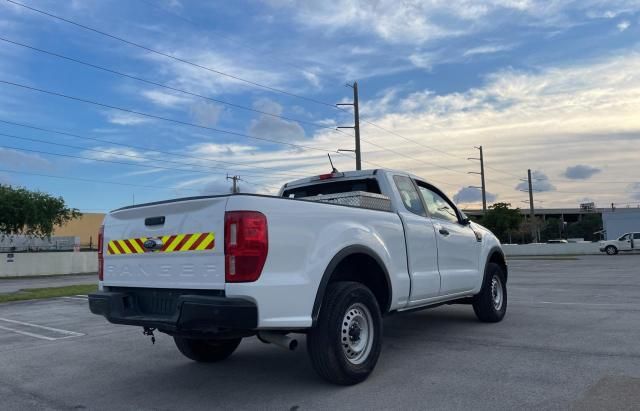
[[443, 231]]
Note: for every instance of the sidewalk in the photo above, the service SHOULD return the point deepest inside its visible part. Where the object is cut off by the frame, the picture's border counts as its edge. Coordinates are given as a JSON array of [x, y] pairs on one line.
[[11, 285]]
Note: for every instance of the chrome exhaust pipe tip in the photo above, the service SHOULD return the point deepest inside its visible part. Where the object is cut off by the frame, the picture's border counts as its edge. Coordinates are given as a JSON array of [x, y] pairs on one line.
[[279, 339]]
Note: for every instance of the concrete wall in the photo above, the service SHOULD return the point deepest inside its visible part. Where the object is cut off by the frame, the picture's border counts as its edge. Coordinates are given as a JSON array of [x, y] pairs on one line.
[[43, 263], [551, 249]]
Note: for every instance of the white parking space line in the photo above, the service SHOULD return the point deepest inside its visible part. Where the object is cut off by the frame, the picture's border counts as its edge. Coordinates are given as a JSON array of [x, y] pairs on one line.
[[75, 298], [574, 303], [42, 337], [66, 333]]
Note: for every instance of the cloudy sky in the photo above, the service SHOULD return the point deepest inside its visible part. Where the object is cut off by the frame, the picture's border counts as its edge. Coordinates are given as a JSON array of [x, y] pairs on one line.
[[165, 97]]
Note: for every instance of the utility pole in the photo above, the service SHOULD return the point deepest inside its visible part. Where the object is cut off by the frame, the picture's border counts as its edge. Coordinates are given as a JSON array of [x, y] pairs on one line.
[[484, 186], [535, 229], [235, 180], [356, 121]]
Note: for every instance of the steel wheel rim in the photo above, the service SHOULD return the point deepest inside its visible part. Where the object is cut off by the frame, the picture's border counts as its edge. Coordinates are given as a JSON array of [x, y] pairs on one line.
[[610, 250], [496, 292], [356, 333]]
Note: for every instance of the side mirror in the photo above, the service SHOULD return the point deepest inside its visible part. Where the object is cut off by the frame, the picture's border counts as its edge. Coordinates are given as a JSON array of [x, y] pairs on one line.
[[465, 221]]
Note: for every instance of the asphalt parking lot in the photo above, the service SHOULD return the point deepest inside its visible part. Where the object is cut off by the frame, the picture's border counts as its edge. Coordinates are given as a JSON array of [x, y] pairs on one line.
[[570, 340]]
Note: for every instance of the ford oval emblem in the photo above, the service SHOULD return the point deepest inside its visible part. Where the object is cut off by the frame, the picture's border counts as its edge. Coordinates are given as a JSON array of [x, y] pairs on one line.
[[152, 244]]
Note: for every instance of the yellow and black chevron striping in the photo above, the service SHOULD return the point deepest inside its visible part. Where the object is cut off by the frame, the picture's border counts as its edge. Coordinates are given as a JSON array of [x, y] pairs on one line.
[[170, 243]]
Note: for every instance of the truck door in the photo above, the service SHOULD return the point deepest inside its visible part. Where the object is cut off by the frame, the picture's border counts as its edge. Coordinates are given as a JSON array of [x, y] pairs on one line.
[[420, 239], [458, 247], [635, 243]]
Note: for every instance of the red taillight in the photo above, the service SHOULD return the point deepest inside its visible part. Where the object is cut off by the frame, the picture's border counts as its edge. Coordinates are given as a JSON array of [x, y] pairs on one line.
[[325, 176], [246, 243], [100, 254]]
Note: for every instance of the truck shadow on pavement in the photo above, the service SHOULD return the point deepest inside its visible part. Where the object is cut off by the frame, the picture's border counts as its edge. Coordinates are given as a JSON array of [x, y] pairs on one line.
[[273, 371]]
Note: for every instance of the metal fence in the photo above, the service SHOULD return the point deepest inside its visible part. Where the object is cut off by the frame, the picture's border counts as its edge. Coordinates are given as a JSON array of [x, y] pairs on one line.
[[22, 243]]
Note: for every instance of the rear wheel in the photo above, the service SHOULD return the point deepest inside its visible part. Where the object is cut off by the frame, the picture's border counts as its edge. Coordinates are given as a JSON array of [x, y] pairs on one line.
[[490, 305], [611, 250], [345, 344], [203, 350]]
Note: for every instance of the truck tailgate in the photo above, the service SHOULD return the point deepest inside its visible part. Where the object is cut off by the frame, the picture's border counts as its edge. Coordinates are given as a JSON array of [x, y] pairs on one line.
[[177, 244]]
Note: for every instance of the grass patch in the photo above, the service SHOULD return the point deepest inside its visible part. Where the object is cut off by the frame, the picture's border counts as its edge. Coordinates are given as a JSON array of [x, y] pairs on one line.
[[49, 292]]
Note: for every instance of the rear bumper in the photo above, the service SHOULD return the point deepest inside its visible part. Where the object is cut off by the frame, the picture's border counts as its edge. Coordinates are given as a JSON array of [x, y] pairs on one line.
[[175, 313]]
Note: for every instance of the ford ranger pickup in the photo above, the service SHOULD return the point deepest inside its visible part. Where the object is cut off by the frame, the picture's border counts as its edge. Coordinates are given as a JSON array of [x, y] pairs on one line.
[[328, 257]]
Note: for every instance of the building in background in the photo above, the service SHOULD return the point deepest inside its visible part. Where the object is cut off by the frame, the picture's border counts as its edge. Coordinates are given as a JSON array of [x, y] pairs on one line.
[[619, 221], [85, 227]]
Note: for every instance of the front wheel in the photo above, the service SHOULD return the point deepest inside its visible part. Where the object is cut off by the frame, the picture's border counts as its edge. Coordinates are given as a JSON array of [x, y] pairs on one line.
[[490, 305], [611, 250], [206, 350], [345, 344]]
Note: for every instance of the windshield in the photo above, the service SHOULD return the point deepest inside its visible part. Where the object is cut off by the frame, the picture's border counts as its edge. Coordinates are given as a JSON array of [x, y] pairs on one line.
[[624, 237]]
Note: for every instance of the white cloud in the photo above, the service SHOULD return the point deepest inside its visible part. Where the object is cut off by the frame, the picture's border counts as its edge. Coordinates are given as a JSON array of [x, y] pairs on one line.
[[539, 183], [581, 172], [125, 119], [237, 62], [634, 191], [274, 128], [312, 78], [163, 99], [469, 195], [487, 49], [116, 153], [268, 106], [19, 160], [623, 25], [206, 114], [211, 150]]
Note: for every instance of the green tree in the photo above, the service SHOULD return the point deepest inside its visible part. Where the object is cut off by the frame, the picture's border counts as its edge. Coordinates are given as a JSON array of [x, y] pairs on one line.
[[586, 227], [551, 230], [502, 220], [32, 212]]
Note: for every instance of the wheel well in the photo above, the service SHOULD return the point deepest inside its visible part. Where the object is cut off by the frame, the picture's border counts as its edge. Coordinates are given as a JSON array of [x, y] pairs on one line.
[[365, 269], [498, 258]]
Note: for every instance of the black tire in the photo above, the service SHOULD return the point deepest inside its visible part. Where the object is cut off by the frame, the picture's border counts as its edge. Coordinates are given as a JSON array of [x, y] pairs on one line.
[[485, 306], [203, 350], [338, 329], [611, 250]]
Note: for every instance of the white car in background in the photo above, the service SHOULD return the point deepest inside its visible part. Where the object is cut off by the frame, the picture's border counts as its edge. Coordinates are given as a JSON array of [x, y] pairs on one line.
[[627, 242]]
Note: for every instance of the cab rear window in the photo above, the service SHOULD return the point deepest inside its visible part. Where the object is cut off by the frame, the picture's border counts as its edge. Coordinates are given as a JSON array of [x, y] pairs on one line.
[[369, 185]]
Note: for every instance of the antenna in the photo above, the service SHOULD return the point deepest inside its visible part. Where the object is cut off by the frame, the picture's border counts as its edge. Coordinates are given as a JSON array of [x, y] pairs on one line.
[[333, 169]]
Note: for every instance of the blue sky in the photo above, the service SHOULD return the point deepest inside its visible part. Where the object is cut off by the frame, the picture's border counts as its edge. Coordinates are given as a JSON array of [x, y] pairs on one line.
[[550, 86]]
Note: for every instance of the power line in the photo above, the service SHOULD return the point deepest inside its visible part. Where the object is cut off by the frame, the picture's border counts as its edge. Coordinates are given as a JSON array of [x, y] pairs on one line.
[[92, 180], [165, 86], [220, 34], [113, 161], [156, 117], [273, 89], [82, 100], [137, 147], [170, 56], [124, 154]]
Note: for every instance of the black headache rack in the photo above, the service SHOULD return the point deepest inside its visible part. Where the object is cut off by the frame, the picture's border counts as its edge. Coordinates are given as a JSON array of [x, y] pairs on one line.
[[176, 312]]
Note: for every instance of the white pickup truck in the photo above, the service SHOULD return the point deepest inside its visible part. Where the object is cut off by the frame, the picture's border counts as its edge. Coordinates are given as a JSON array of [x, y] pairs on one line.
[[328, 257], [627, 242]]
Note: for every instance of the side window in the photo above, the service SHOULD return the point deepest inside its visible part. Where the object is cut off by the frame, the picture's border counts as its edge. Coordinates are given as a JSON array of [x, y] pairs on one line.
[[409, 195], [636, 236], [624, 237], [437, 206]]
